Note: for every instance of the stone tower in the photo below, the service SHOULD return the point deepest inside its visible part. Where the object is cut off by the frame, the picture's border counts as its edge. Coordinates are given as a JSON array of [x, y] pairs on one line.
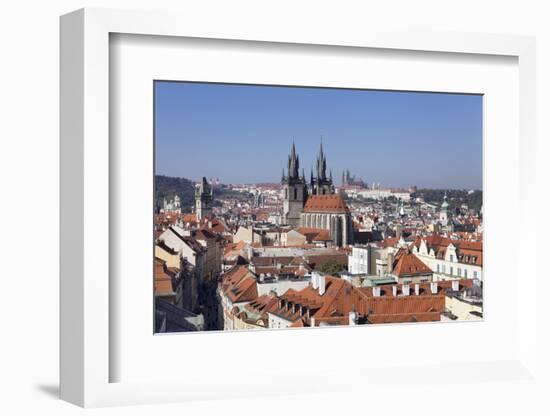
[[444, 212], [322, 185], [203, 200], [295, 190]]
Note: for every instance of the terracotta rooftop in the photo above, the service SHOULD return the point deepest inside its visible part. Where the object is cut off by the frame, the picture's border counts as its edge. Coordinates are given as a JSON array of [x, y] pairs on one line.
[[163, 279], [407, 264], [326, 203], [468, 252], [239, 284], [341, 298], [314, 234]]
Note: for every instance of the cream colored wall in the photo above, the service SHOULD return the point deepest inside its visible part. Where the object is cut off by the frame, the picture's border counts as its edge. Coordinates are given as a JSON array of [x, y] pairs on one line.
[[172, 260], [239, 324], [295, 239], [462, 309]]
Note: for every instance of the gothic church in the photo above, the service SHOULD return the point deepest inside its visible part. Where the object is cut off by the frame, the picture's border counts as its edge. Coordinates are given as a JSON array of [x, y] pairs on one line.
[[316, 207]]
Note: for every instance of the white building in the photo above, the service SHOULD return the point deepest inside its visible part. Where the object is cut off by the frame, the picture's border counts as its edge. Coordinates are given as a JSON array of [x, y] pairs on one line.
[[450, 259], [359, 261]]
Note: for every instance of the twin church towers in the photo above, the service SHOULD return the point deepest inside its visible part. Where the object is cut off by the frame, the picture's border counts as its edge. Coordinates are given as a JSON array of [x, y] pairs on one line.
[[295, 187]]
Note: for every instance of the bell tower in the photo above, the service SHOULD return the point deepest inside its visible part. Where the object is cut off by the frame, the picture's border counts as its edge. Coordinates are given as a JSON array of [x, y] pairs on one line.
[[295, 190], [203, 200]]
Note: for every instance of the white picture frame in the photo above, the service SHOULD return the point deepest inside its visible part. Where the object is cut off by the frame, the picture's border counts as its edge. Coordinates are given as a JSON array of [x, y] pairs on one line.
[[86, 329]]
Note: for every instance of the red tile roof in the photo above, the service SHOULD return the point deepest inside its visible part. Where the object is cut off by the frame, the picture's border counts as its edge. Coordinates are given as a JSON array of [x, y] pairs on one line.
[[239, 285], [314, 234], [333, 203], [407, 264], [189, 218], [163, 279], [468, 252], [341, 298]]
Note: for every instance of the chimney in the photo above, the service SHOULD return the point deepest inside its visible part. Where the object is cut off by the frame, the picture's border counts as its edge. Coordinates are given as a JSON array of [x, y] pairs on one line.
[[406, 289], [376, 291], [315, 279], [433, 287], [455, 285], [321, 284], [352, 317], [417, 289], [394, 290]]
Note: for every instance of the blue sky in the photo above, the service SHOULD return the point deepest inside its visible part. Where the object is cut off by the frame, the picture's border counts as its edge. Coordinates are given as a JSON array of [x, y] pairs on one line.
[[243, 134]]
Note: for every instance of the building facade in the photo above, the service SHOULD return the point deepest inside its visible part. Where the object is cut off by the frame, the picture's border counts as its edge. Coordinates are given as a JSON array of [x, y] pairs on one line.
[[450, 259]]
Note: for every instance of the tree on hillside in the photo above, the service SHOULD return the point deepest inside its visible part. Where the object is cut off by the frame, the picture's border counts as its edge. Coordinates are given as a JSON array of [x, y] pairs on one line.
[[331, 267]]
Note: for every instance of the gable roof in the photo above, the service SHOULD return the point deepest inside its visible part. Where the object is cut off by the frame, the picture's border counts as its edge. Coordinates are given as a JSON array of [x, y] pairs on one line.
[[333, 203], [407, 264], [162, 279], [239, 284], [468, 252]]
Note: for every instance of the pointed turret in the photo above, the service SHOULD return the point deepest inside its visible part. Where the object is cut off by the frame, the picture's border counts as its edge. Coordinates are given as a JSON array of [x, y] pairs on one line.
[[295, 189], [293, 163]]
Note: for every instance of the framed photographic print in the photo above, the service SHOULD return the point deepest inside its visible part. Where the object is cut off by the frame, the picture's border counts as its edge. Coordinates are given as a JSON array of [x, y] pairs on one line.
[[267, 250], [292, 204]]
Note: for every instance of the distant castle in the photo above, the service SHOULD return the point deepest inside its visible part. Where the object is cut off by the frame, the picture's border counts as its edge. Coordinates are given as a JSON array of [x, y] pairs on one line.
[[348, 180], [317, 206]]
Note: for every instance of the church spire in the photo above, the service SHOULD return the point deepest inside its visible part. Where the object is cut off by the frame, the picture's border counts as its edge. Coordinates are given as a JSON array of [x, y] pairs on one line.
[[321, 164], [293, 163]]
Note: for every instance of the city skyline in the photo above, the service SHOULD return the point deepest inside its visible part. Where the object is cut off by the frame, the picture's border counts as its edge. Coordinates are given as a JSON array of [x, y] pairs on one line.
[[397, 139]]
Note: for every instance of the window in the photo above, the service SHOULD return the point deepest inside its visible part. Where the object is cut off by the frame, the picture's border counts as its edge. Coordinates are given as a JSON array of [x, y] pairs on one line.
[[443, 268], [451, 270], [451, 257], [475, 274], [466, 273], [459, 272], [438, 268], [295, 193]]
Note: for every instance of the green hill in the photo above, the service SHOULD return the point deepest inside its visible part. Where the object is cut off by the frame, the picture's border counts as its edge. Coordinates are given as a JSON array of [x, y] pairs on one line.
[[167, 187]]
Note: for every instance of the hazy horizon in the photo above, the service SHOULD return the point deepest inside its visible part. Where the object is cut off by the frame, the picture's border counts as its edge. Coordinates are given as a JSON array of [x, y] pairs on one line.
[[242, 134]]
